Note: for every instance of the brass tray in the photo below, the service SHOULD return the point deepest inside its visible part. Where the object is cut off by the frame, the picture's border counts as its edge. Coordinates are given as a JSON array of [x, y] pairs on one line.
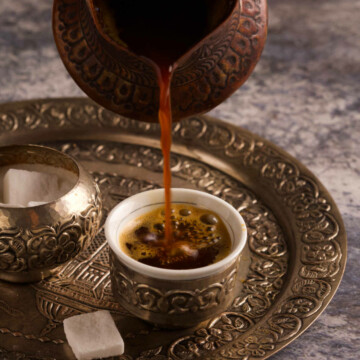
[[296, 247]]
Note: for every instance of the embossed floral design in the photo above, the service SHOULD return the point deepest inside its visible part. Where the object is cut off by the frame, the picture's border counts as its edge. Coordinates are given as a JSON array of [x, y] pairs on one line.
[[7, 259], [256, 346], [12, 250], [202, 340], [266, 232], [210, 339], [54, 245], [222, 330], [309, 290], [231, 322], [299, 305], [56, 251], [313, 288], [269, 268], [320, 252], [188, 351]]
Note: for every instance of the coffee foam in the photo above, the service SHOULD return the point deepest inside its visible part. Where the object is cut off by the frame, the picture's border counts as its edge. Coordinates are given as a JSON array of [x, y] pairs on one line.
[[200, 238]]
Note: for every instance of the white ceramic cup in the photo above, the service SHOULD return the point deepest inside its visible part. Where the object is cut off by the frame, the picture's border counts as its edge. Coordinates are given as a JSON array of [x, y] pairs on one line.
[[175, 298]]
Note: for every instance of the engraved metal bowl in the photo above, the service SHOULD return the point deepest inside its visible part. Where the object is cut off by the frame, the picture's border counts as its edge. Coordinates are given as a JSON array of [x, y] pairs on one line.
[[173, 298], [35, 241]]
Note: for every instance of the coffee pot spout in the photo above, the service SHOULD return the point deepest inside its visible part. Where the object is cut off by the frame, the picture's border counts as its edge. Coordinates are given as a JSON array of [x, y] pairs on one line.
[[115, 58]]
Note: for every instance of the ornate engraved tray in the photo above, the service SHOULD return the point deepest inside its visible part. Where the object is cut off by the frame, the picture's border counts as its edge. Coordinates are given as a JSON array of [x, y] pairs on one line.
[[293, 263]]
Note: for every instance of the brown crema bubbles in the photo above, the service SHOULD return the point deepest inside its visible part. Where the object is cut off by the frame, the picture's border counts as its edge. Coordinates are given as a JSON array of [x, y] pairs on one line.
[[199, 238]]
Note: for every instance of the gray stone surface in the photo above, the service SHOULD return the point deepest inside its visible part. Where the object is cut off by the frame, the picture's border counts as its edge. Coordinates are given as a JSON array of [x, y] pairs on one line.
[[304, 96]]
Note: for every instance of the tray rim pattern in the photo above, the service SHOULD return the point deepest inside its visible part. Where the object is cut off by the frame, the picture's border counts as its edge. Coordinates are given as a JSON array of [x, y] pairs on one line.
[[321, 264]]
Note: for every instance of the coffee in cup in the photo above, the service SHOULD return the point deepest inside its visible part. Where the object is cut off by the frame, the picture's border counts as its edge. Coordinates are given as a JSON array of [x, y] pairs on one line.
[[199, 238]]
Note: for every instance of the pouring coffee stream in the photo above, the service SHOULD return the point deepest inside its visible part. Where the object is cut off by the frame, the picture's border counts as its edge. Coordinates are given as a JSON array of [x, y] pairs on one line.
[[141, 58], [155, 30], [165, 124]]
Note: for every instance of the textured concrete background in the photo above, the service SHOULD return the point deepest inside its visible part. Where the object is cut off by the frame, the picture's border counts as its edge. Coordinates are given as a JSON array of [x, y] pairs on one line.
[[304, 96]]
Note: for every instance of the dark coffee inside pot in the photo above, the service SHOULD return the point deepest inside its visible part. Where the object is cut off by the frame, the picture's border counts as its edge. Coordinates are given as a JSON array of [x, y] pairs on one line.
[[200, 238], [160, 30]]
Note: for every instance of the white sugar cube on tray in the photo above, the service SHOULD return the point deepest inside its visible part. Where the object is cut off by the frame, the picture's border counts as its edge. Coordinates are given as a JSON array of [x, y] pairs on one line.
[[93, 335]]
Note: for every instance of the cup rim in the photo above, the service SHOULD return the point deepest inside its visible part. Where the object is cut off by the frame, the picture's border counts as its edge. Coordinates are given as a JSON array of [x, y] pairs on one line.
[[174, 274]]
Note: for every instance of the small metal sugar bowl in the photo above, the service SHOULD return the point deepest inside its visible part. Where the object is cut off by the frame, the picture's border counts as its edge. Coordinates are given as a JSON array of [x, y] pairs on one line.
[[35, 241]]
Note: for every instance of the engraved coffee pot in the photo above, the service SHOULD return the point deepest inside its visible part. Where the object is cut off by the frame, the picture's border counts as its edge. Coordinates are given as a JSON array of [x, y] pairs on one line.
[[127, 84]]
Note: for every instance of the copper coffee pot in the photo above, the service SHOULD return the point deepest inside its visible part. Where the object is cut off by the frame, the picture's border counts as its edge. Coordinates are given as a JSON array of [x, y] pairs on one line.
[[127, 84]]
